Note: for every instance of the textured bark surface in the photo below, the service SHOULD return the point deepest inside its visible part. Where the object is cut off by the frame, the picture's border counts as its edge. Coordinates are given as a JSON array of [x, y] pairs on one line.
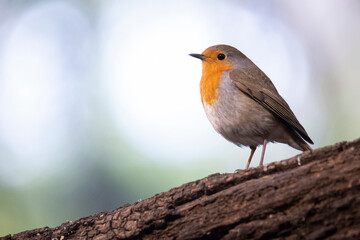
[[310, 196]]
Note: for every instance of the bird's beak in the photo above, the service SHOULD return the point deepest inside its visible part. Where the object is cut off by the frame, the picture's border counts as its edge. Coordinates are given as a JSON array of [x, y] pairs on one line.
[[199, 56]]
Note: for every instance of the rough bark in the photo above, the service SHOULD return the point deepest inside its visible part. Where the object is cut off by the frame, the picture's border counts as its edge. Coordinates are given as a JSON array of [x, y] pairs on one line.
[[310, 196]]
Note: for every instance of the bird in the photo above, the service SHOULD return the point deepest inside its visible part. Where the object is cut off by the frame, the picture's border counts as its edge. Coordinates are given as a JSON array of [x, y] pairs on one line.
[[243, 105]]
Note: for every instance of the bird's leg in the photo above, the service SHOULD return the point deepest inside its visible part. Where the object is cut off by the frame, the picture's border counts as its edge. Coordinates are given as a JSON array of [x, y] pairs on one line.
[[250, 157], [263, 153]]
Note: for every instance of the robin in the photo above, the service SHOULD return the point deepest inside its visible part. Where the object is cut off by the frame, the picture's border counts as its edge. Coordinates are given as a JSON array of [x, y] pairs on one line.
[[243, 105]]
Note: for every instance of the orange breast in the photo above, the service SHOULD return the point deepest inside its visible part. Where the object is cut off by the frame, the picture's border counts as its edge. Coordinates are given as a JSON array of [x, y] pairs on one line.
[[210, 81]]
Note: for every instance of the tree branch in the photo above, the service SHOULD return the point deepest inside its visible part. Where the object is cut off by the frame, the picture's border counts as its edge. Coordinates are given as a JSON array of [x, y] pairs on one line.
[[310, 196]]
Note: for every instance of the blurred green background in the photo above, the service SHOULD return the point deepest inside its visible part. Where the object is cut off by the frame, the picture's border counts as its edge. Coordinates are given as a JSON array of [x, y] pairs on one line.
[[100, 105]]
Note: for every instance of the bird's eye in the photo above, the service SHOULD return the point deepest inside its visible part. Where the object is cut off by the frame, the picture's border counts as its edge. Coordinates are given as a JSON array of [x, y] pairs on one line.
[[221, 56]]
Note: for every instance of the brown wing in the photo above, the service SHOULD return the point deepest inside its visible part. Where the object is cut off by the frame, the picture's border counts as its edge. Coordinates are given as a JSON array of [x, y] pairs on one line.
[[268, 97]]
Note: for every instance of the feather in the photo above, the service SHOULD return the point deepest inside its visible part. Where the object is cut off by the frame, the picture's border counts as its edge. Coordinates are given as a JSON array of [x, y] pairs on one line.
[[268, 97]]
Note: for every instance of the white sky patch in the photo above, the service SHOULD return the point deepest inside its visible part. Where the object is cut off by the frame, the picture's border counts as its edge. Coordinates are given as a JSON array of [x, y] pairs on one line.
[[34, 94]]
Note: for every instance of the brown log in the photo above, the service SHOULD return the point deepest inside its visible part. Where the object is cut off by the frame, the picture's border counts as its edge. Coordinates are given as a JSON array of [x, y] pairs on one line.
[[315, 195]]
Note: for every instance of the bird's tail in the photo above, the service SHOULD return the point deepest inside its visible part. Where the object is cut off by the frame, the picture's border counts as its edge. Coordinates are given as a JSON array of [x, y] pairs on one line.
[[306, 147], [299, 143]]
